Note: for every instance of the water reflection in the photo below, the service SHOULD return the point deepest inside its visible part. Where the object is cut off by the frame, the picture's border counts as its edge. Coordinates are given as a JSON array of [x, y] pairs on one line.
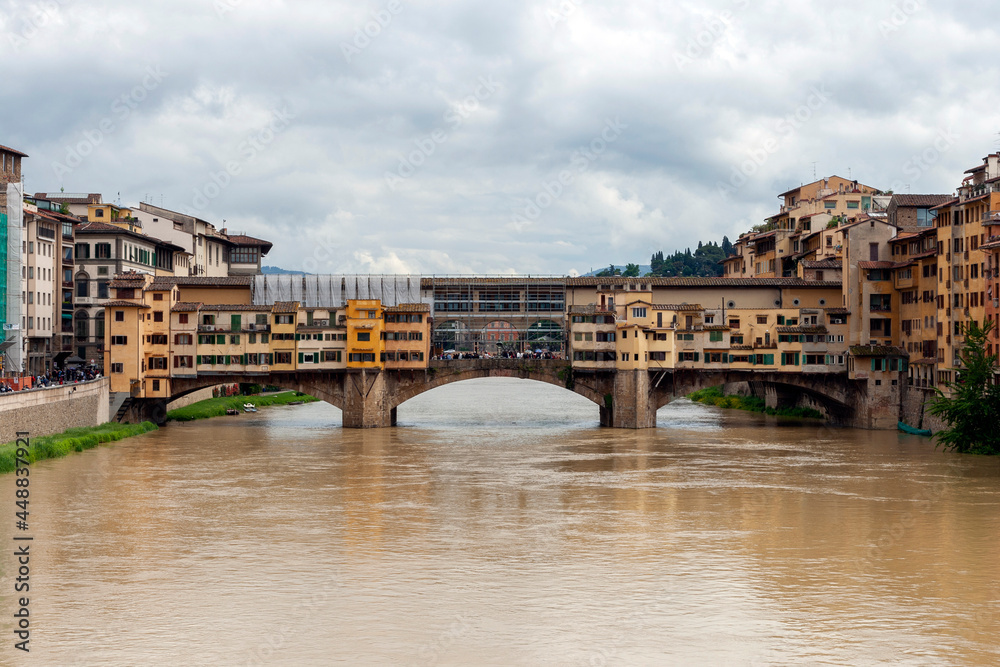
[[500, 525]]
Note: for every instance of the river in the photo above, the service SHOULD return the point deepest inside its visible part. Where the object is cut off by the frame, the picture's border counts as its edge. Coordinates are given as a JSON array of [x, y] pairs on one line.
[[500, 525]]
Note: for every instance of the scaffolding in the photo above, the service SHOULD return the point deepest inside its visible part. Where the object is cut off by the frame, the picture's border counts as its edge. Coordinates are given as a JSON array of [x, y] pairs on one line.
[[497, 314], [10, 274]]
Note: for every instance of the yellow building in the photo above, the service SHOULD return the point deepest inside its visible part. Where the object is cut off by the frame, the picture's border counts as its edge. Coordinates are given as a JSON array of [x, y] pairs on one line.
[[407, 336]]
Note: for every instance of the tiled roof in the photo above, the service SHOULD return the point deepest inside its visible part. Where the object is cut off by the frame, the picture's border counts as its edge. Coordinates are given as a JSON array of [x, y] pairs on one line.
[[285, 307], [838, 311], [919, 200], [590, 309], [704, 282], [409, 308], [12, 150], [201, 281], [951, 200], [91, 198], [876, 265], [120, 303], [715, 327], [928, 361], [876, 351], [243, 239], [430, 281], [802, 330], [678, 307], [127, 284], [105, 228], [824, 264], [236, 307], [185, 307]]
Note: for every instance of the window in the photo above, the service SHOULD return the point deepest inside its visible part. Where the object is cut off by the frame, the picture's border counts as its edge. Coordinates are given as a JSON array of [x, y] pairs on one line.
[[853, 204], [234, 340], [119, 316], [117, 368], [361, 357], [119, 340], [261, 319], [829, 204], [158, 339], [82, 287], [245, 255], [715, 336], [639, 312], [83, 251], [762, 319], [102, 289], [157, 363], [331, 355], [183, 339], [364, 336], [282, 357], [182, 318], [102, 250], [182, 361]]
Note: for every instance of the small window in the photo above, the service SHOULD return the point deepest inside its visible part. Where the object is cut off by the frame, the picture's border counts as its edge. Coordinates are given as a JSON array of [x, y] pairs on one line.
[[182, 318], [119, 316], [117, 368], [158, 297], [158, 316]]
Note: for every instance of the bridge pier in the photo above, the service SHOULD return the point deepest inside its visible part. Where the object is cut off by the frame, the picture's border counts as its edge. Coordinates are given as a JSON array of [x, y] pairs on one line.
[[367, 401], [632, 404], [146, 409]]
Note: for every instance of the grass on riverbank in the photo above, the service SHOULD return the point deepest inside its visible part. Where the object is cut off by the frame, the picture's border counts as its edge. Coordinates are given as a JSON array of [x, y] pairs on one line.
[[216, 407], [73, 440], [714, 396]]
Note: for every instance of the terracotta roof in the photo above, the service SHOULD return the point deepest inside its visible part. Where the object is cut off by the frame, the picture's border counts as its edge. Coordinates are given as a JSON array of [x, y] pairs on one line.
[[120, 303], [590, 309], [919, 200], [715, 327], [928, 361], [876, 351], [105, 228], [243, 239], [126, 284], [706, 282], [876, 265], [824, 264], [802, 330], [185, 307], [240, 307], [200, 281], [13, 150], [975, 169], [838, 311], [950, 201], [679, 307], [59, 198], [926, 253], [409, 308], [285, 307]]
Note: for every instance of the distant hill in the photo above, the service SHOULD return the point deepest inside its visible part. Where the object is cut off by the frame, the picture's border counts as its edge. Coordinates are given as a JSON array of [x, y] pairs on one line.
[[643, 270], [276, 270]]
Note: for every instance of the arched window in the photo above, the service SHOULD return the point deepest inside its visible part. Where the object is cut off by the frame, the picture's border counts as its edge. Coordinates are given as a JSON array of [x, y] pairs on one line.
[[82, 285], [82, 325], [99, 326]]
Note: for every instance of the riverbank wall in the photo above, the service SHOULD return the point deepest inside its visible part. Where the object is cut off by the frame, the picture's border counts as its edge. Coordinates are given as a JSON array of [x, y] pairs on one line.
[[55, 409]]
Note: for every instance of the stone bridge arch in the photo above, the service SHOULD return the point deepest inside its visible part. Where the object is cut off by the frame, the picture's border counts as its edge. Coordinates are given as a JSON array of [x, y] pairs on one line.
[[557, 373]]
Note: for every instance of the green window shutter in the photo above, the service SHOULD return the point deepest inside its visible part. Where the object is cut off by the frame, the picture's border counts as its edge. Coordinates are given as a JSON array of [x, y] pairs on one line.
[[873, 364], [781, 319], [696, 356], [300, 357], [198, 358], [298, 336], [243, 359], [235, 322], [769, 359], [220, 340]]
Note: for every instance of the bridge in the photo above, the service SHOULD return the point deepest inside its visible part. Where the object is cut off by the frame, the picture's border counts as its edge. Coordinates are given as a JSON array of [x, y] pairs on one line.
[[625, 398]]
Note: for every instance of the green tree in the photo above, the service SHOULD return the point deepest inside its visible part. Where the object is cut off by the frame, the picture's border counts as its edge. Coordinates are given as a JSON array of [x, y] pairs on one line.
[[631, 271], [971, 406]]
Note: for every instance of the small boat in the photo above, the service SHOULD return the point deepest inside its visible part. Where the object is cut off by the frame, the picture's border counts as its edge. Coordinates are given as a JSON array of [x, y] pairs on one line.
[[232, 411], [906, 428], [249, 407], [295, 402]]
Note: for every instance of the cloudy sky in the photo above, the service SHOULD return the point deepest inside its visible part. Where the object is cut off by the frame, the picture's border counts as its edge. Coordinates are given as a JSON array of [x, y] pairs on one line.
[[454, 137]]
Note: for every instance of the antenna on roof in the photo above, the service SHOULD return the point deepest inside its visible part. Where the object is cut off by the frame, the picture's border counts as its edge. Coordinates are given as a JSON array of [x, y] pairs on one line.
[[814, 171]]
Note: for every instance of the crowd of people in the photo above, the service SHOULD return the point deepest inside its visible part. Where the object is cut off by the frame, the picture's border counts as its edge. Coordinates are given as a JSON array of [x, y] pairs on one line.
[[56, 377], [504, 354]]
